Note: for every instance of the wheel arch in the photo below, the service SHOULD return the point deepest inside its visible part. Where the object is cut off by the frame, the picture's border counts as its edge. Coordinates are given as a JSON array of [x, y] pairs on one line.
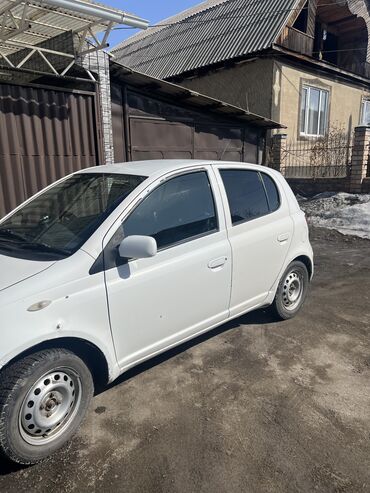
[[90, 354], [307, 262]]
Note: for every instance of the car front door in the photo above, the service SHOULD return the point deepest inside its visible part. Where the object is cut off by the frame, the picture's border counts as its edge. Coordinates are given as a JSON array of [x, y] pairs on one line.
[[156, 302], [260, 230]]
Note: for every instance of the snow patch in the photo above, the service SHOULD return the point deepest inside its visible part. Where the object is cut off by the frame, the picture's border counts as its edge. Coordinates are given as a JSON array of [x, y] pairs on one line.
[[345, 212]]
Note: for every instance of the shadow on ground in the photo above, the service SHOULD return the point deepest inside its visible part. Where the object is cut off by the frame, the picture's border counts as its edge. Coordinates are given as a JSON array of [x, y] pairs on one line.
[[258, 317]]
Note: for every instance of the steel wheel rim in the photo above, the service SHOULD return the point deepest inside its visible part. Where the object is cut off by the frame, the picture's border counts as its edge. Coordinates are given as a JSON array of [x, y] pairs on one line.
[[292, 290], [50, 406]]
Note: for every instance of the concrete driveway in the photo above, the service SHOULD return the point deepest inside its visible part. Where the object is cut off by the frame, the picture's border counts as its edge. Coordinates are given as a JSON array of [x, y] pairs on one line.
[[254, 406]]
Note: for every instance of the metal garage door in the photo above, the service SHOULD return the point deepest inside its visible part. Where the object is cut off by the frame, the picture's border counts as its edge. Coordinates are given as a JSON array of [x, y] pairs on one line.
[[156, 139], [44, 135], [145, 127]]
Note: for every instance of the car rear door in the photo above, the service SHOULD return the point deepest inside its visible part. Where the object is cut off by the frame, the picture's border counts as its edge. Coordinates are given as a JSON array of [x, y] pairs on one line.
[[156, 302], [260, 231]]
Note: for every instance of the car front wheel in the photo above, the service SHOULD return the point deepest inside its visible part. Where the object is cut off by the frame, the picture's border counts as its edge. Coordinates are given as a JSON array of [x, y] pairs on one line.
[[43, 400], [292, 291]]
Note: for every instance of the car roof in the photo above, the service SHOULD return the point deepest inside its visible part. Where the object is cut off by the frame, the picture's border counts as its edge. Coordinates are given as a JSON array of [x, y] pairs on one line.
[[158, 166]]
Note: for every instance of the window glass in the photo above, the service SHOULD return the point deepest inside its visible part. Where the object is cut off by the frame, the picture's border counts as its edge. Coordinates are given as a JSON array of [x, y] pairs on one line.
[[245, 193], [323, 112], [58, 222], [272, 192], [180, 209], [314, 111], [365, 120], [303, 109]]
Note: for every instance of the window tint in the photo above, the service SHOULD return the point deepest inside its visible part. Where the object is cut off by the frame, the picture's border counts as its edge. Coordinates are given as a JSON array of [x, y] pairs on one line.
[[245, 193], [56, 223], [180, 209], [272, 192]]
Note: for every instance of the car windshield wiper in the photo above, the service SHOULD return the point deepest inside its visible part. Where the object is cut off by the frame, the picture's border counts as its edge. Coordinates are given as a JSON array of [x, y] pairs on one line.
[[12, 235], [43, 247], [20, 241]]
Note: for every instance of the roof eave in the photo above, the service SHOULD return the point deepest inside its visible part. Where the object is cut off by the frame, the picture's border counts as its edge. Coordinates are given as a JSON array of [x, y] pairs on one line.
[[195, 99], [319, 63]]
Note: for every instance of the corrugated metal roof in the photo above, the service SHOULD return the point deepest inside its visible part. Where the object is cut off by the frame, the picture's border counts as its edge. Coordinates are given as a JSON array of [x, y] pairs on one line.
[[212, 32], [192, 98]]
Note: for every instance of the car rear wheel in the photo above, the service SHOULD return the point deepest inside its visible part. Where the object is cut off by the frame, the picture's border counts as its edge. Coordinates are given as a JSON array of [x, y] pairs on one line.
[[292, 291], [43, 400]]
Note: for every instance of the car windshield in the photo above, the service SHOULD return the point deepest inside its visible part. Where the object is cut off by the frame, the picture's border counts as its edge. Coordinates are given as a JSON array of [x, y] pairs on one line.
[[56, 223]]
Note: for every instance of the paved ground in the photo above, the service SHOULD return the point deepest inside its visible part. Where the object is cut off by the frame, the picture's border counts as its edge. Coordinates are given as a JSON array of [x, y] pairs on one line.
[[255, 406]]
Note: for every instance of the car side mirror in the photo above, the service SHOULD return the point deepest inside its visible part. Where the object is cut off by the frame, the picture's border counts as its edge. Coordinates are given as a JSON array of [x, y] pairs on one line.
[[136, 246]]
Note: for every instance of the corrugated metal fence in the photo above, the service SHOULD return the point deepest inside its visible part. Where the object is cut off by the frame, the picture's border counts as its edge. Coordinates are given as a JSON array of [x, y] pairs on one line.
[[44, 135]]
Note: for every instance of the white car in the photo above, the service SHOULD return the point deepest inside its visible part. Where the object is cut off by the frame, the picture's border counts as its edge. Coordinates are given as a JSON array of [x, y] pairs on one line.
[[115, 264]]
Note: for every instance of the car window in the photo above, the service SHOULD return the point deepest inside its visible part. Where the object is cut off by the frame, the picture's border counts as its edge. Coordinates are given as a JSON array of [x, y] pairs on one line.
[[178, 210], [246, 194], [272, 192]]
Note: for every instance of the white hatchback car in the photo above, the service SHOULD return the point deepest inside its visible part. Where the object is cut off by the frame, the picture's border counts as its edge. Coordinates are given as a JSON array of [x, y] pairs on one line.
[[115, 264]]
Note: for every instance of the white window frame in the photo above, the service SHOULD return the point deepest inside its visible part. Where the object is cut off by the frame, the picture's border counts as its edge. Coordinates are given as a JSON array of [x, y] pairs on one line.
[[326, 116], [364, 104]]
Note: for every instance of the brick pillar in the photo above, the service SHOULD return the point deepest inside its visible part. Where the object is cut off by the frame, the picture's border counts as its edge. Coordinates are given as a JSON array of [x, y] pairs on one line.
[[279, 146], [98, 62], [360, 158]]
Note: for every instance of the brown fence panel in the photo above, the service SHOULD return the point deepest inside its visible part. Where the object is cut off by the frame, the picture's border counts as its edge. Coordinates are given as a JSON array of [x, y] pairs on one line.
[[44, 135], [118, 125]]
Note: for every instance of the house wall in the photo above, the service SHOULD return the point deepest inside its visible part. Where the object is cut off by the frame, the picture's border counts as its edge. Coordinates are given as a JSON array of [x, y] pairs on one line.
[[271, 87], [247, 85], [344, 103]]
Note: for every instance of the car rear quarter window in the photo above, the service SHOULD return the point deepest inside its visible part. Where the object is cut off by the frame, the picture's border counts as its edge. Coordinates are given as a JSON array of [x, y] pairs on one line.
[[272, 192], [246, 194]]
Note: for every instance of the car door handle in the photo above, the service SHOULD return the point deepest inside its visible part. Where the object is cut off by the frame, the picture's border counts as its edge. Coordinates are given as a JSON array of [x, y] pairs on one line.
[[217, 263], [282, 238]]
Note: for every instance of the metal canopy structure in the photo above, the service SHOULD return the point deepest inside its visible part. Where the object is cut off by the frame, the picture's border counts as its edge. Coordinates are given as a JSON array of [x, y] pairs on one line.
[[26, 26]]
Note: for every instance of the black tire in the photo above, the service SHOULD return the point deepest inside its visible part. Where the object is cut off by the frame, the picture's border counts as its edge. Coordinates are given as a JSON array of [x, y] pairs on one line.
[[62, 379], [296, 272]]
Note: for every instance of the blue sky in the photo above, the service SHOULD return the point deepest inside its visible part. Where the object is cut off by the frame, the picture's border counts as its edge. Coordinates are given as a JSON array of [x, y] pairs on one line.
[[152, 10]]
